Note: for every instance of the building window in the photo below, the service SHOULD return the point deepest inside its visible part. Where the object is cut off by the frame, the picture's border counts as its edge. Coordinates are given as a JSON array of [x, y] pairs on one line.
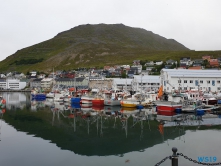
[[185, 88], [218, 88], [191, 81], [218, 81], [208, 81], [179, 81], [185, 81], [201, 81]]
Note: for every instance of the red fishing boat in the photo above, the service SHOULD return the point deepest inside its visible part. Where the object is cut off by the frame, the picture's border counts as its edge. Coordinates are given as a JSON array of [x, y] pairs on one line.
[[98, 100], [167, 107]]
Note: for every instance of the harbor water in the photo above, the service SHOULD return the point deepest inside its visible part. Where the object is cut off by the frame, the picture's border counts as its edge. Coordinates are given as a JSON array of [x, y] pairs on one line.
[[54, 133]]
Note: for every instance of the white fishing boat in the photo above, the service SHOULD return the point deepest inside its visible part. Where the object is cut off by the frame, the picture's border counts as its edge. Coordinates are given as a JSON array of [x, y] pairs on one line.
[[87, 97], [50, 94], [209, 98], [113, 98], [137, 99]]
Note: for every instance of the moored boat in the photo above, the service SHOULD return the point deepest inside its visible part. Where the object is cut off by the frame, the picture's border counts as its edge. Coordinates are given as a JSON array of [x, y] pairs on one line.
[[167, 106], [113, 98], [98, 101], [87, 96], [209, 99], [136, 99]]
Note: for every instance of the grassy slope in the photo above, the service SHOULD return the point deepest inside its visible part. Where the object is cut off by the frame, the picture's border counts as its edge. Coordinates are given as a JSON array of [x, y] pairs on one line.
[[99, 45]]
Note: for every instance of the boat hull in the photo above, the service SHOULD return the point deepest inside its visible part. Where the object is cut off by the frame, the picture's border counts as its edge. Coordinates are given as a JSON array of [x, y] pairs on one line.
[[210, 101], [75, 100], [168, 108], [86, 100], [133, 104], [98, 102]]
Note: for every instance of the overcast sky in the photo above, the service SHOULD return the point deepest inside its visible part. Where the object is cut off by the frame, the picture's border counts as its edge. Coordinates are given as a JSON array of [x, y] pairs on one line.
[[194, 23]]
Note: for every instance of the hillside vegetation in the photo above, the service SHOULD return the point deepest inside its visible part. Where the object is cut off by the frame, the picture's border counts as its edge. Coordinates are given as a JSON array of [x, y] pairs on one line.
[[96, 46]]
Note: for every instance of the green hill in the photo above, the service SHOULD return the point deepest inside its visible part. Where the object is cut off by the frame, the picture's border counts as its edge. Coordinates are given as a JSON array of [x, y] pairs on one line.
[[95, 45]]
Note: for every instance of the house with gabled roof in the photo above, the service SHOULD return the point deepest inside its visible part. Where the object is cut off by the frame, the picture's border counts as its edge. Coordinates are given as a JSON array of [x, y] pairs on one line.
[[118, 72], [170, 62], [150, 63], [136, 62], [198, 61], [35, 83], [219, 60], [183, 65], [206, 57], [158, 63], [186, 60], [131, 73], [214, 63]]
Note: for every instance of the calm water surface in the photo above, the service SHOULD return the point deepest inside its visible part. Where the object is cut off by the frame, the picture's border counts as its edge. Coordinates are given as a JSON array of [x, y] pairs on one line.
[[51, 133]]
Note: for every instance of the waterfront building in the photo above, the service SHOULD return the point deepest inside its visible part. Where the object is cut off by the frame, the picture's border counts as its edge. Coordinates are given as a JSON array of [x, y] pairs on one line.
[[13, 84], [100, 83], [122, 84], [46, 83], [205, 80], [79, 81], [138, 68], [146, 83], [35, 83]]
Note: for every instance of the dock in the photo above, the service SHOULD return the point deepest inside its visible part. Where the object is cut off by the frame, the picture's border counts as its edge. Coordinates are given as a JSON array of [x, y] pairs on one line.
[[5, 90]]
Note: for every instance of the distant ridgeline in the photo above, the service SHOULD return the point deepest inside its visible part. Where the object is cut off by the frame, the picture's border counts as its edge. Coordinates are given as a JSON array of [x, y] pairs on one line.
[[96, 46]]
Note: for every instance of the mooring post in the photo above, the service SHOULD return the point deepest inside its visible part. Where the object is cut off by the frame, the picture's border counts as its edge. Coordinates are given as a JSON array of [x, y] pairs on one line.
[[174, 158]]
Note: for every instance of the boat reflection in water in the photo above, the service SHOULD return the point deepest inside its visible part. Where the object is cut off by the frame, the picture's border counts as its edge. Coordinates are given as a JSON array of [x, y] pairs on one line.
[[101, 130]]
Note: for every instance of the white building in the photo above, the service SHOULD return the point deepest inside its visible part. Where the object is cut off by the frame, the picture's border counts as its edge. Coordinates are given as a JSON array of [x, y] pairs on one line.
[[46, 83], [146, 83], [121, 84], [205, 80], [186, 60], [139, 68], [13, 84], [159, 62]]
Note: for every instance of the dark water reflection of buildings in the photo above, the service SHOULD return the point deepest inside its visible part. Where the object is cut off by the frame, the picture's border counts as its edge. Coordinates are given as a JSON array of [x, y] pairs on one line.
[[17, 100], [90, 130]]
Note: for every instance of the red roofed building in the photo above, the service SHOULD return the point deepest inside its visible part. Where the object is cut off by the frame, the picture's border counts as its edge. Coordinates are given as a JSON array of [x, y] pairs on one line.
[[206, 57], [214, 62], [195, 68]]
